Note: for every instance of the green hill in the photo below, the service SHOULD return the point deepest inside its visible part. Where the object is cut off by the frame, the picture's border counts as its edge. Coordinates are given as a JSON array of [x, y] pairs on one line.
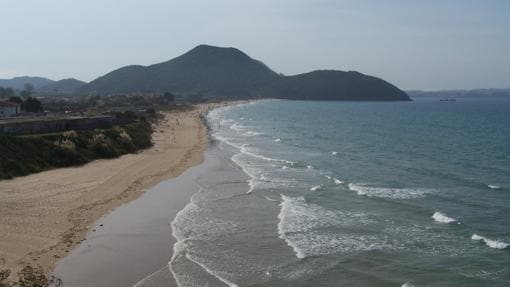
[[207, 70], [18, 83], [334, 85], [65, 86], [228, 73]]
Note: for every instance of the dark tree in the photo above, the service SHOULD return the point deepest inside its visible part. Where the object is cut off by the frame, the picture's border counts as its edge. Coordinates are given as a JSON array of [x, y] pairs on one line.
[[33, 105], [17, 100]]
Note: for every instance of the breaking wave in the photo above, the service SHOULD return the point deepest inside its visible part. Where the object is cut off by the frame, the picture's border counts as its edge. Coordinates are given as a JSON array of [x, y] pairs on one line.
[[393, 193], [489, 242], [439, 217], [302, 226]]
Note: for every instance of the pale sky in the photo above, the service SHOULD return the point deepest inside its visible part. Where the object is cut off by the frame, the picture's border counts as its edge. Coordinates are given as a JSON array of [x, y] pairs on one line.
[[414, 44]]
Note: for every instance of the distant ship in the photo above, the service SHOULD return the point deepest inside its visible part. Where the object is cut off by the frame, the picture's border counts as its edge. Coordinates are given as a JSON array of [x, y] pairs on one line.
[[447, 100]]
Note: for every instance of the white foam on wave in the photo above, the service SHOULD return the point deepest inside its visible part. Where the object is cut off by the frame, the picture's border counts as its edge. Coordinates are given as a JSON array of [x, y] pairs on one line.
[[439, 217], [334, 179], [301, 225], [285, 167], [253, 177], [184, 228], [316, 187], [493, 186], [309, 167], [238, 127], [270, 199], [243, 148], [246, 166], [252, 134], [277, 140], [489, 242], [334, 153], [393, 193]]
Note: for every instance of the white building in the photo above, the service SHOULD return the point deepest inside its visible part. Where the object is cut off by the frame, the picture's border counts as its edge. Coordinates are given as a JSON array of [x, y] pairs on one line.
[[9, 109]]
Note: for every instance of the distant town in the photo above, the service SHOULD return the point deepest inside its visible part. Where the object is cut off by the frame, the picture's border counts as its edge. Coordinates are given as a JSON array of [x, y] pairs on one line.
[[28, 111]]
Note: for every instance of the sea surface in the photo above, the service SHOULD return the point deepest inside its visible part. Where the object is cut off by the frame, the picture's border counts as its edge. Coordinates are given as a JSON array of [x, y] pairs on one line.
[[351, 194]]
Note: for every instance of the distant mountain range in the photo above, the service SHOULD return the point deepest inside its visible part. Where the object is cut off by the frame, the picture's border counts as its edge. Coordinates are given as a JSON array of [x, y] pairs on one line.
[[65, 86], [216, 72], [461, 93], [223, 73], [43, 85], [18, 83]]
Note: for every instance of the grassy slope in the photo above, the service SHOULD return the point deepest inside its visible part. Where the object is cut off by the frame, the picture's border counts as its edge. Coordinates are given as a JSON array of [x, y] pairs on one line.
[[25, 155]]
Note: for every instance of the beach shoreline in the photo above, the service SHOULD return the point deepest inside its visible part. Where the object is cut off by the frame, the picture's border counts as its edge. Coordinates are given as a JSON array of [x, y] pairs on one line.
[[44, 216]]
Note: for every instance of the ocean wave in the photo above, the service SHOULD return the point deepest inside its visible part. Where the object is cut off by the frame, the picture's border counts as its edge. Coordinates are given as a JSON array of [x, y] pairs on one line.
[[493, 186], [316, 187], [439, 217], [489, 242], [244, 148], [238, 127], [334, 179], [252, 181], [259, 171], [193, 223], [277, 140], [484, 274], [216, 274], [301, 225], [334, 153], [251, 133], [393, 193], [270, 199]]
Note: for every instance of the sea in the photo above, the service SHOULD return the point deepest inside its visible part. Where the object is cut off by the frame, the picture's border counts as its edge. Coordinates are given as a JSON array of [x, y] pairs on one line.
[[309, 193]]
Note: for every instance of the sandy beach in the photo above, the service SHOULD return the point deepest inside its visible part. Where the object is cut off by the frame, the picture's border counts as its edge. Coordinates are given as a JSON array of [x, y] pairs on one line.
[[45, 215]]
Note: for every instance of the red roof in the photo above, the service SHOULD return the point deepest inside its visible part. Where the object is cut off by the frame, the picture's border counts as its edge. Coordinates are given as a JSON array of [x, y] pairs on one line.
[[8, 104]]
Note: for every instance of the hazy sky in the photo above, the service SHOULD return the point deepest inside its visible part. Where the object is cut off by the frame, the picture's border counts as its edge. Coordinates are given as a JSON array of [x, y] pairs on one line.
[[418, 44]]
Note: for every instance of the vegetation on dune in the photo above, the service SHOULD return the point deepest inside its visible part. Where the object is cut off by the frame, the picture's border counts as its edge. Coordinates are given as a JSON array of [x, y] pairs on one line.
[[28, 277], [30, 154]]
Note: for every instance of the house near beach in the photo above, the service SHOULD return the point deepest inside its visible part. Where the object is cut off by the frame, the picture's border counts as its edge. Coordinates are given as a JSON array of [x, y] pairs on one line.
[[9, 109]]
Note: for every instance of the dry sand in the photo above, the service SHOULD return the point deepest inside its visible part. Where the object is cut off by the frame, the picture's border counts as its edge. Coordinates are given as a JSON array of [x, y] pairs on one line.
[[43, 216]]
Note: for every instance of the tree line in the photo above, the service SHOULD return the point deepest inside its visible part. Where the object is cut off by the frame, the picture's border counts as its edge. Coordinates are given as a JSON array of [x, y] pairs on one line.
[[25, 100]]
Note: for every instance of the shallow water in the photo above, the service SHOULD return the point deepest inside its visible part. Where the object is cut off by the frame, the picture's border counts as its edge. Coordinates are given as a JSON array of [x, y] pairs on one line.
[[352, 194]]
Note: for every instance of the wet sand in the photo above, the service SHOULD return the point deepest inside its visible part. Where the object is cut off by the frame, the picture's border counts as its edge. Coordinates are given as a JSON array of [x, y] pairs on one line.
[[133, 245], [134, 241]]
